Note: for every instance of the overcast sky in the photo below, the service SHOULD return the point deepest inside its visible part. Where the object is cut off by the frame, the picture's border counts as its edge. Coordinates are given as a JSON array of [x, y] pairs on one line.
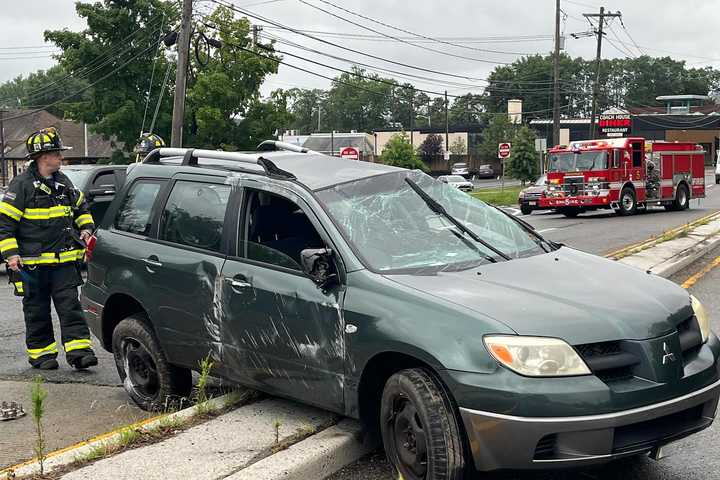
[[683, 29]]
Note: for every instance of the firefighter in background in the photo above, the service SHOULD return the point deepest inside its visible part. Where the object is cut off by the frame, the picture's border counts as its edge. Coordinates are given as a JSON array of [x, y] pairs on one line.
[[653, 180], [146, 144], [44, 224]]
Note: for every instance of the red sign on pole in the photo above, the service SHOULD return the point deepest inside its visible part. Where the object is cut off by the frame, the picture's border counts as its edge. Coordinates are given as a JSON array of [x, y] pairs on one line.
[[351, 153], [503, 150]]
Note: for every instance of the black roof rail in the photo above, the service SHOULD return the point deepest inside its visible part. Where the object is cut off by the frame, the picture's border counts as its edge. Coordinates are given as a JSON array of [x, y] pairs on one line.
[[275, 145], [190, 157]]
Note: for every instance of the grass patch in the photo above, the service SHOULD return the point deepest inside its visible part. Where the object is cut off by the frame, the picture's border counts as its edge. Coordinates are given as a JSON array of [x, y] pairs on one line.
[[495, 196]]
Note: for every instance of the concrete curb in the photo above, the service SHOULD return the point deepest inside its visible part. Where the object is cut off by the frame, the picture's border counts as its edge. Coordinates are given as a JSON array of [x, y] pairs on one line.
[[667, 258], [68, 455], [316, 457]]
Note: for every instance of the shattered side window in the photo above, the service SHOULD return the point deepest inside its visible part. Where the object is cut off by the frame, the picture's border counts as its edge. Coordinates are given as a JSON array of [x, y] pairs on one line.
[[394, 230]]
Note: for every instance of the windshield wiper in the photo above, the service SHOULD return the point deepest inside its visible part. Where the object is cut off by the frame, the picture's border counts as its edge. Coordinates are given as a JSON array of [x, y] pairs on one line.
[[474, 247], [530, 230], [440, 210]]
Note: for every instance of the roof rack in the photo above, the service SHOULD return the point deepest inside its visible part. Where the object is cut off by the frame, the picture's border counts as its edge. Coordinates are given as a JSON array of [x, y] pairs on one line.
[[274, 146], [190, 157]]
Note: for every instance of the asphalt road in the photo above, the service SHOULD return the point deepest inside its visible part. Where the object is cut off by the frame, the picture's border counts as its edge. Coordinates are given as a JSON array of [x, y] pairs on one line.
[[604, 231], [694, 458]]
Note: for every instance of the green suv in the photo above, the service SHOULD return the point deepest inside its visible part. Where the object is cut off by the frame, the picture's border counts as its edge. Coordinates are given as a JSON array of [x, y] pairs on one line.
[[462, 336]]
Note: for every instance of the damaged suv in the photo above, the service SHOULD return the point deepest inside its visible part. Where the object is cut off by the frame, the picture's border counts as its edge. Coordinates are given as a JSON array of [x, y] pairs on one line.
[[382, 294]]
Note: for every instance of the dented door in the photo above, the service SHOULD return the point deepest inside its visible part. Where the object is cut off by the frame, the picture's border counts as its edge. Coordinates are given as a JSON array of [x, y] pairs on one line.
[[282, 333]]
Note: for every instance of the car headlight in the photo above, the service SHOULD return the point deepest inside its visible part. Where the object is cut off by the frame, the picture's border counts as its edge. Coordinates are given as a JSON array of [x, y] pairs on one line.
[[521, 195], [536, 356], [702, 318]]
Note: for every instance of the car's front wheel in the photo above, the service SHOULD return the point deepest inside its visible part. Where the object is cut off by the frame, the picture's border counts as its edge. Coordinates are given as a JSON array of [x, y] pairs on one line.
[[526, 209], [419, 428], [152, 382]]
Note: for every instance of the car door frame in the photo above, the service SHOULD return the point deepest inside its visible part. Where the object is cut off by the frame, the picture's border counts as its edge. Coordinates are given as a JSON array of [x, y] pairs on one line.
[[236, 255]]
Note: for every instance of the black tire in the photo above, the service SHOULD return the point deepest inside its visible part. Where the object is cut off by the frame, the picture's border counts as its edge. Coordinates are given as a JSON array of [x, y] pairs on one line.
[[152, 382], [526, 209], [682, 199], [570, 212], [420, 429], [627, 202], [717, 180]]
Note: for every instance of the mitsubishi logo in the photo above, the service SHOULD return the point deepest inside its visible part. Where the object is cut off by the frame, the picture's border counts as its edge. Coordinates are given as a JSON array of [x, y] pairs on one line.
[[669, 356]]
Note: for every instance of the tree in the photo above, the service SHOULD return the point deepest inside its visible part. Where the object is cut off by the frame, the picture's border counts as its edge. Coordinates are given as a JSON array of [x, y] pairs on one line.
[[466, 110], [44, 87], [117, 52], [523, 164], [430, 148], [263, 120], [358, 101], [398, 152], [304, 105], [458, 146], [499, 130]]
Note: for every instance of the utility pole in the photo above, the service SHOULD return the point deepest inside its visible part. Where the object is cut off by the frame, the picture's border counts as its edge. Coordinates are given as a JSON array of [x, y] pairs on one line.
[[601, 19], [319, 108], [181, 75], [447, 128], [2, 147], [256, 29], [412, 117], [556, 78]]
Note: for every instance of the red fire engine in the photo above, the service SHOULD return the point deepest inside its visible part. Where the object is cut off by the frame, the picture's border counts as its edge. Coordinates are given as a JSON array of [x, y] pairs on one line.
[[623, 174]]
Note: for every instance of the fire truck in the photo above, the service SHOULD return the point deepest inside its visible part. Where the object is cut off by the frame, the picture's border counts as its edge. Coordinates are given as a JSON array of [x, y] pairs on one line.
[[623, 174]]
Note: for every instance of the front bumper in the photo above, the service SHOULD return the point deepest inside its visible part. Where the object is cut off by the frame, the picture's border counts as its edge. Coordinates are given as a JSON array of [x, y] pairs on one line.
[[598, 201], [502, 441]]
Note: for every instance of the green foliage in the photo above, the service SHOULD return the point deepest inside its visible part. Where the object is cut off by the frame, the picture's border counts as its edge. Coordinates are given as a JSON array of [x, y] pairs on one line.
[[400, 153], [43, 87], [304, 105], [497, 196], [38, 395], [467, 110], [431, 147], [264, 119], [523, 164], [458, 146], [205, 367], [357, 101], [499, 130]]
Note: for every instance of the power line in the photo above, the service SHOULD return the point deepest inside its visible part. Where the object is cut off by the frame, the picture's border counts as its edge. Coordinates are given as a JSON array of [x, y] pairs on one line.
[[387, 25], [631, 38], [363, 36], [104, 77]]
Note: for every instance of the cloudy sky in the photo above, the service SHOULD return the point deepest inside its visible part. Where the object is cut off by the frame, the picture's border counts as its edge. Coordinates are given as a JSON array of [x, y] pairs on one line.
[[683, 29]]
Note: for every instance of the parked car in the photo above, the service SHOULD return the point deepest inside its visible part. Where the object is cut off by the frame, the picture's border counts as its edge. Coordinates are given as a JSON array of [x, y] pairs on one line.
[[460, 169], [99, 183], [485, 171], [528, 197], [381, 294], [457, 181]]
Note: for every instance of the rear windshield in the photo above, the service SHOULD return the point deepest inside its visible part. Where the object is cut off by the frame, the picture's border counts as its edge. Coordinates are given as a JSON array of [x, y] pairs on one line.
[[460, 165], [77, 177], [454, 178]]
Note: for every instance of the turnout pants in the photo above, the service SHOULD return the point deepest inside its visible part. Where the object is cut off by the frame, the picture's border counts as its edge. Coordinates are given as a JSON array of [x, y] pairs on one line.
[[58, 283]]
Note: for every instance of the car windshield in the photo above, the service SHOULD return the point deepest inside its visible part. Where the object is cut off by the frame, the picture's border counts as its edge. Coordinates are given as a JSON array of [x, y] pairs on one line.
[[77, 177], [454, 178], [394, 230], [575, 162], [541, 181]]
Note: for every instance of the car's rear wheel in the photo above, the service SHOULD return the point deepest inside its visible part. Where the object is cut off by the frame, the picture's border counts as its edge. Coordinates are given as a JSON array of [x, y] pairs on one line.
[[419, 428], [526, 209], [152, 382]]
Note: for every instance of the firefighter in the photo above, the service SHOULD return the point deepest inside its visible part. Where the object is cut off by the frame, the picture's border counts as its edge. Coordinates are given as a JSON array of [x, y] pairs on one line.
[[653, 180], [44, 224], [146, 144]]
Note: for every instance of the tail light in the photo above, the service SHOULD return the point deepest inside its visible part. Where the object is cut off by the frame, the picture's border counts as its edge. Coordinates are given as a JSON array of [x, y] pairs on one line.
[[89, 247]]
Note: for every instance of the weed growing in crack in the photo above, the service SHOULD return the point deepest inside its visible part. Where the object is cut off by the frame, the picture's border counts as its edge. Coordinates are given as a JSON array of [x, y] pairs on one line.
[[276, 426], [203, 407], [38, 395]]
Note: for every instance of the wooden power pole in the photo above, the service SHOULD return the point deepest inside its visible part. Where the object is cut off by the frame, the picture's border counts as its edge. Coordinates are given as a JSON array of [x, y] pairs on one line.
[[556, 78], [181, 75], [596, 86], [447, 126]]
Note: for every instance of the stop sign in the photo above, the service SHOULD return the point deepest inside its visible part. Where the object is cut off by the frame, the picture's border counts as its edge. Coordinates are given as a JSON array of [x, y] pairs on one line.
[[351, 153], [503, 150]]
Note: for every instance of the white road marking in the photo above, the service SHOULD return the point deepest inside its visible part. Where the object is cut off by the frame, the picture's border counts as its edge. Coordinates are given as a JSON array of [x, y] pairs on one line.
[[512, 211], [546, 230]]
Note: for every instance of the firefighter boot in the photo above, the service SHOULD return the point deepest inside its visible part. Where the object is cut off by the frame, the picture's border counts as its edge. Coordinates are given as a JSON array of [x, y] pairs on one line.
[[82, 359], [45, 363]]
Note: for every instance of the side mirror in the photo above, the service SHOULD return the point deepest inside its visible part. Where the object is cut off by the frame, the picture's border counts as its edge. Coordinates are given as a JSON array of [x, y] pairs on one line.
[[318, 265], [96, 192]]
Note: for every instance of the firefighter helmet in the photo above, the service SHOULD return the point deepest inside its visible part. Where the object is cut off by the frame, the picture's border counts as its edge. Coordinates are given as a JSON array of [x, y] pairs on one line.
[[45, 140], [147, 143]]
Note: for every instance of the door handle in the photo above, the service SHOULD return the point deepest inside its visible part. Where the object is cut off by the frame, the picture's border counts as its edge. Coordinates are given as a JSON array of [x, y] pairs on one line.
[[238, 283], [152, 263]]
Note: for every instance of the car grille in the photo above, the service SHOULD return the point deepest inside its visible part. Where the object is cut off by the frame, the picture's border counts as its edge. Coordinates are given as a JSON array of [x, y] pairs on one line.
[[607, 360], [545, 448], [610, 361], [532, 196]]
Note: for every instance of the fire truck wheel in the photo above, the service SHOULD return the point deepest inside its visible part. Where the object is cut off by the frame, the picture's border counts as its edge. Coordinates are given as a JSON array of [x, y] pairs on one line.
[[628, 202], [682, 201]]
